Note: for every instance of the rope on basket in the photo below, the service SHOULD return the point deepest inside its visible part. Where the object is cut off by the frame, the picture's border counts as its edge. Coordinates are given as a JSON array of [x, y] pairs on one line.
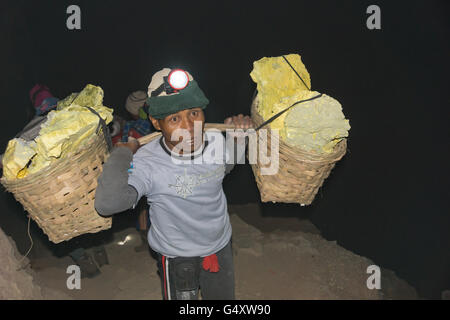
[[283, 111], [102, 123], [104, 127], [296, 73], [31, 246]]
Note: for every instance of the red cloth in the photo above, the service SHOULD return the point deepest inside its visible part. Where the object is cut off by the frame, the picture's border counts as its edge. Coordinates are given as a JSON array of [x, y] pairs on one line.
[[118, 137], [211, 263], [133, 133], [38, 94]]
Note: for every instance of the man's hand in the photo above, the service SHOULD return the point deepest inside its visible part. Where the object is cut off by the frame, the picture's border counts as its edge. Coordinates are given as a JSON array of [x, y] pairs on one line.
[[240, 121], [132, 144]]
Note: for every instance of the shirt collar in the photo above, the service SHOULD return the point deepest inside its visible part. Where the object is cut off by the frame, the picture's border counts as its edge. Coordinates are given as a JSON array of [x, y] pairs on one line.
[[189, 156]]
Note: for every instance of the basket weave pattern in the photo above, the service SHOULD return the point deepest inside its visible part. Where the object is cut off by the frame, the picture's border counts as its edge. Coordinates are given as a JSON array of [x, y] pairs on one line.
[[300, 173], [60, 197]]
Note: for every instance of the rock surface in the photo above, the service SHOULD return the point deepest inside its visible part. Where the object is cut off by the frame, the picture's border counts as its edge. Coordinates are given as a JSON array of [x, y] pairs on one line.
[[274, 257], [15, 282]]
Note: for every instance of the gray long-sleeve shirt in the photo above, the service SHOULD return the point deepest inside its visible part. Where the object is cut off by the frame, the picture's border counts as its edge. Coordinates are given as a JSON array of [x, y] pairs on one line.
[[188, 208], [113, 193]]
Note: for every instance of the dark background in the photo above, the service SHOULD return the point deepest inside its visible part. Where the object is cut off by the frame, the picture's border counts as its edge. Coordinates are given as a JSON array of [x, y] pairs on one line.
[[387, 199]]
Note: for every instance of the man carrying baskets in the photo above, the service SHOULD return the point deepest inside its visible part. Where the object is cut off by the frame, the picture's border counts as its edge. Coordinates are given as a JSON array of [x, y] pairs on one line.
[[190, 227]]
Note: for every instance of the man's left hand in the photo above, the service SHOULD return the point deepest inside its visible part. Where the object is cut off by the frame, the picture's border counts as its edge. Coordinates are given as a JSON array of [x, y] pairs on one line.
[[240, 121]]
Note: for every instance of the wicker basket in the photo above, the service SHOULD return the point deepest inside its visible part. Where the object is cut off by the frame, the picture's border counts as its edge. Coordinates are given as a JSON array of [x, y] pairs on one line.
[[300, 173], [60, 197]]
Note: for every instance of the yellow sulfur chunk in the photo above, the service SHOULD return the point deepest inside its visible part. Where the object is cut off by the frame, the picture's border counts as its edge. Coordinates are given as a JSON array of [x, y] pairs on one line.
[[316, 125], [61, 134], [91, 96], [18, 154], [65, 130], [276, 83]]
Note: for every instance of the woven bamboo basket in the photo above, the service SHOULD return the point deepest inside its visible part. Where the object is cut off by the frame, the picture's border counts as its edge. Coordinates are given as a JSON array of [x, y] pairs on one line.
[[300, 173], [60, 197]]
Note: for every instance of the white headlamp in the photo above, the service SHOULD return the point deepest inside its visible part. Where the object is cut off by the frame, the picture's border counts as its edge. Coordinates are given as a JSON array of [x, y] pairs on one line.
[[178, 79]]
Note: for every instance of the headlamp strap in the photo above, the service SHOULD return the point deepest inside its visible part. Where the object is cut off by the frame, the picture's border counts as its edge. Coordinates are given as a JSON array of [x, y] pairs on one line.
[[165, 86], [158, 90]]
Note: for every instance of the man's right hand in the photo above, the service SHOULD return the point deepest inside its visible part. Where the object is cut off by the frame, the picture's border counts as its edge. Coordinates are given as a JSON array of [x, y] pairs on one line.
[[132, 144]]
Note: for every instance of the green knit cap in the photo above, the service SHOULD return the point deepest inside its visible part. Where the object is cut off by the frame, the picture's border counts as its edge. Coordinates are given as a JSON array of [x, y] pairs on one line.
[[190, 97]]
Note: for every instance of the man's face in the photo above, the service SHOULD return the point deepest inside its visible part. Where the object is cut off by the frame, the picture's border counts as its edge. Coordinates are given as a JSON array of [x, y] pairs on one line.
[[183, 119]]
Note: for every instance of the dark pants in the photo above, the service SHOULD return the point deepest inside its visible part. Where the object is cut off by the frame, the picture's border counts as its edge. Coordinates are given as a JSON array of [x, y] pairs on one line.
[[182, 277]]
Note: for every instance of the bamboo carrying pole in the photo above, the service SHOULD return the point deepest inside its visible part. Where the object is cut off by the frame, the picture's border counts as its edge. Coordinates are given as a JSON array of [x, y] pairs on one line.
[[60, 197], [208, 126]]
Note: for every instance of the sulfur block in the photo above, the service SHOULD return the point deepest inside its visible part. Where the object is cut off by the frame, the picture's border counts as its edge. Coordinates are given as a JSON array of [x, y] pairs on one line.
[[17, 155], [316, 125], [65, 130]]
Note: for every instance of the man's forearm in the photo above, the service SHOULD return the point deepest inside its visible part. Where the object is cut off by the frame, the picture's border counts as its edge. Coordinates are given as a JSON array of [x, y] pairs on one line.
[[114, 194]]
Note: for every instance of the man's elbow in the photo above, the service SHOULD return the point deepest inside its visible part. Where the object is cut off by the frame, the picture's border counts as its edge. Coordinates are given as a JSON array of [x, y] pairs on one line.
[[103, 206], [107, 204], [102, 211]]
